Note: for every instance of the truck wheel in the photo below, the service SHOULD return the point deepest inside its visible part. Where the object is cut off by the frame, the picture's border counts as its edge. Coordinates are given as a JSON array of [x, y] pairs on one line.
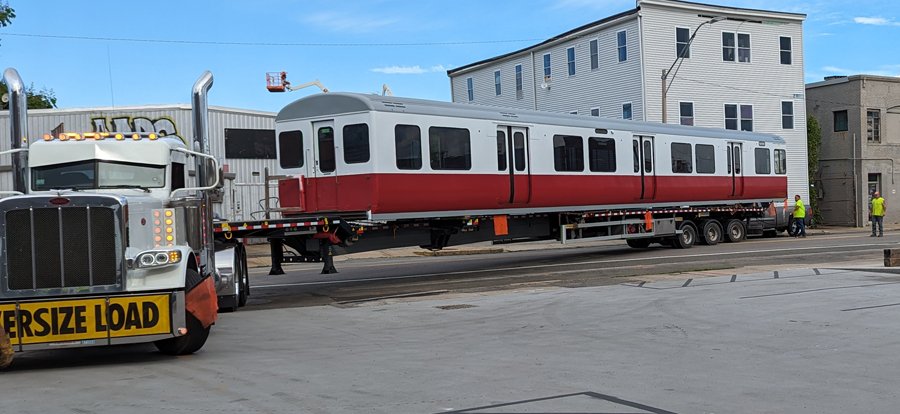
[[712, 232], [735, 230], [638, 243], [688, 236], [196, 333], [244, 281]]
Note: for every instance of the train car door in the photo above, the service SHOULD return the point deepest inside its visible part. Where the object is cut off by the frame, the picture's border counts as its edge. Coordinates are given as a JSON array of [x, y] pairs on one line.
[[644, 163], [324, 166], [735, 168], [519, 170]]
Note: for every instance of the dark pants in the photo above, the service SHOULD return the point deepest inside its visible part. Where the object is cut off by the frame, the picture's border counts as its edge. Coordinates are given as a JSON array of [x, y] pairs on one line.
[[801, 227], [878, 221]]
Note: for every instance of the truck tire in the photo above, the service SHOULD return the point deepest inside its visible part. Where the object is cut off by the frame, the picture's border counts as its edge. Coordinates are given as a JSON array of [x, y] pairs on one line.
[[638, 243], [244, 280], [196, 334], [688, 236], [712, 232], [735, 231]]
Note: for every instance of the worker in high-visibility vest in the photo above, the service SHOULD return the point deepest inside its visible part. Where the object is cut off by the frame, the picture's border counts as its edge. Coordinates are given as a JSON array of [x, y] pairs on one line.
[[799, 216], [876, 210]]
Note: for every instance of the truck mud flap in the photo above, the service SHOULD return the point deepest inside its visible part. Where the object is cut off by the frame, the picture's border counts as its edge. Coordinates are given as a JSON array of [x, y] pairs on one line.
[[6, 349]]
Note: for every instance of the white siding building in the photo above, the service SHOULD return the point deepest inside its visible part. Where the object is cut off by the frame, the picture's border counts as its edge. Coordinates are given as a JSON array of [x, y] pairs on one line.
[[244, 140], [742, 70]]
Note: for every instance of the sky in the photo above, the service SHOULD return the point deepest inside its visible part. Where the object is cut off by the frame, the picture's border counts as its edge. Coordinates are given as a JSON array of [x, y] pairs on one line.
[[104, 53]]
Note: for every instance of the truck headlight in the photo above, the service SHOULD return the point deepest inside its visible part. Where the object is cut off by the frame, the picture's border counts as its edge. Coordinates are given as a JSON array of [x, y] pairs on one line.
[[157, 258]]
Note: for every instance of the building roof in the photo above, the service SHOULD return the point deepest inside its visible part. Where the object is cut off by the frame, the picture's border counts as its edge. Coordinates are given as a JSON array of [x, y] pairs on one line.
[[735, 13], [330, 104], [834, 80]]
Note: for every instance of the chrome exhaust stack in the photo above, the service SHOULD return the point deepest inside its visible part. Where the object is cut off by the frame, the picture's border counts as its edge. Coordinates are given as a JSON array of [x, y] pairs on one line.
[[200, 143], [18, 128]]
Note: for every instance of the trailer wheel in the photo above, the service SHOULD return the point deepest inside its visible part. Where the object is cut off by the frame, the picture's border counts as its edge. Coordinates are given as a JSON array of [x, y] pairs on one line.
[[196, 333], [638, 243], [688, 236], [735, 230], [712, 232]]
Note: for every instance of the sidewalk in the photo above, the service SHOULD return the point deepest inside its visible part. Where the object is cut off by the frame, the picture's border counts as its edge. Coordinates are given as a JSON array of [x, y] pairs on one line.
[[258, 254]]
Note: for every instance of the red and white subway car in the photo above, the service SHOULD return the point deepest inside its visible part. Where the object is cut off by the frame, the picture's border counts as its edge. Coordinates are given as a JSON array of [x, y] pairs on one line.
[[394, 158]]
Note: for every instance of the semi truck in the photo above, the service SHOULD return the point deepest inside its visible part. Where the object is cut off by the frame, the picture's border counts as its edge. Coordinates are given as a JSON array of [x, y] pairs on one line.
[[107, 238]]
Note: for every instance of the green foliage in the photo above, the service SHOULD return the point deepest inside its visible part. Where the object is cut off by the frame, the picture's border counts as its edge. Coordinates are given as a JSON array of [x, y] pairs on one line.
[[37, 99], [7, 14], [813, 143]]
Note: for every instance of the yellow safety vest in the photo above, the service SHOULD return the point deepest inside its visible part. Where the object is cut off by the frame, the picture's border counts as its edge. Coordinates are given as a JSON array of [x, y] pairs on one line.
[[878, 206], [800, 211]]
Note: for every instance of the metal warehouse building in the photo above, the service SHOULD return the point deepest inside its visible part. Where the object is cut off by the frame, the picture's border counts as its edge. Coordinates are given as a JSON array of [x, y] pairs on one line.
[[242, 140]]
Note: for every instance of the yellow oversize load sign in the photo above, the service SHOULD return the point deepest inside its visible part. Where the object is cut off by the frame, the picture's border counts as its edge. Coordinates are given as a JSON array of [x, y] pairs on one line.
[[86, 319]]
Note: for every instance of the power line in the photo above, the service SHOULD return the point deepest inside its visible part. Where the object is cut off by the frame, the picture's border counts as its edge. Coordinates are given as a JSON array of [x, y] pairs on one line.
[[275, 44]]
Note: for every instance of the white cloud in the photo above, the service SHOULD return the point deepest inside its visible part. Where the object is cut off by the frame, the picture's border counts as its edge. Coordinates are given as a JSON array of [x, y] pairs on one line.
[[408, 70], [875, 21], [344, 22]]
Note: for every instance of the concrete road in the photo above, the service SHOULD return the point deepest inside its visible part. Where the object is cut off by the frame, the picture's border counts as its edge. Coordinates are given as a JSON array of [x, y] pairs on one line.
[[786, 340]]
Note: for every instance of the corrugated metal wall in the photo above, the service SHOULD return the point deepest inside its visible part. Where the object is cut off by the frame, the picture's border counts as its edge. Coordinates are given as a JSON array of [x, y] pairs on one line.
[[242, 197]]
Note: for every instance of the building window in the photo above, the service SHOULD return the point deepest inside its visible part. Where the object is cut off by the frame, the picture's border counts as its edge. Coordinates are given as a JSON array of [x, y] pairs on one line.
[[497, 82], [840, 121], [681, 158], [621, 42], [706, 159], [595, 111], [745, 120], [470, 88], [602, 154], [356, 143], [785, 43], [450, 148], [686, 110], [546, 66], [873, 125], [570, 60], [682, 37], [573, 112], [626, 110], [743, 47], [408, 147], [763, 161], [568, 153], [595, 54], [518, 81], [780, 162], [290, 149], [250, 143], [787, 115]]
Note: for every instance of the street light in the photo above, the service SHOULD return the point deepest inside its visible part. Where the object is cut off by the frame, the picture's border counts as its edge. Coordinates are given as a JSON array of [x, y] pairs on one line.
[[665, 73]]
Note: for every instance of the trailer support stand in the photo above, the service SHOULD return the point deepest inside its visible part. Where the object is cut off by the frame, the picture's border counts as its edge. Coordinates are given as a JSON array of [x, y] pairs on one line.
[[327, 257], [277, 257]]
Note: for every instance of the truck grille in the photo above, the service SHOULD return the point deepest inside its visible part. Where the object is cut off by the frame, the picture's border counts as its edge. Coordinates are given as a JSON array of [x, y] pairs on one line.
[[61, 247]]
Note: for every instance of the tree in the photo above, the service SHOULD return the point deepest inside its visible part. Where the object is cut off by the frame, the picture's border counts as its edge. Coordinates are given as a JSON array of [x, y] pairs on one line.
[[813, 142], [6, 14], [37, 99]]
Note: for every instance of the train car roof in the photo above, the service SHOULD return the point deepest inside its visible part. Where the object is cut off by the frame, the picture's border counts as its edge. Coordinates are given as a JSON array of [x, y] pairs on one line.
[[330, 104]]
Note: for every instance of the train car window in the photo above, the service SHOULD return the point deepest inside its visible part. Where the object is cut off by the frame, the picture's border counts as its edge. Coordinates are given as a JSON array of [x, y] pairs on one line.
[[681, 158], [706, 159], [737, 160], [408, 144], [763, 160], [356, 143], [602, 154], [635, 148], [326, 150], [450, 148], [728, 157], [648, 157], [501, 151], [290, 149], [568, 153], [519, 150], [780, 162]]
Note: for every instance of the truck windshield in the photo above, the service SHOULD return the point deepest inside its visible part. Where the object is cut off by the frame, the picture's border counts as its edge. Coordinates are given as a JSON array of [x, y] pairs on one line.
[[97, 174]]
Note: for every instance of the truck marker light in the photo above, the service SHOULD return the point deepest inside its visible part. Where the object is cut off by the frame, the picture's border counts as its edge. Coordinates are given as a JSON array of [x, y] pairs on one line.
[[136, 137], [48, 137], [120, 137], [102, 135], [62, 137], [156, 213], [152, 137]]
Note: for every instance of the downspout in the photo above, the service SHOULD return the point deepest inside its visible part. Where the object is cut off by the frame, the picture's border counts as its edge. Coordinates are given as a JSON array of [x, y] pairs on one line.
[[200, 117], [18, 128], [533, 81]]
